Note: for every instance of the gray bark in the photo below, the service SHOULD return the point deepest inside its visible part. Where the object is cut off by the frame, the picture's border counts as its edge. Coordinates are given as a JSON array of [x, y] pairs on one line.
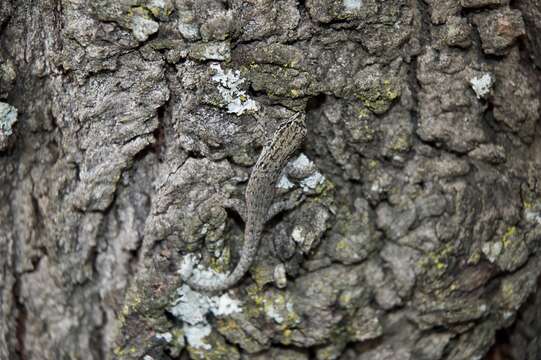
[[123, 122]]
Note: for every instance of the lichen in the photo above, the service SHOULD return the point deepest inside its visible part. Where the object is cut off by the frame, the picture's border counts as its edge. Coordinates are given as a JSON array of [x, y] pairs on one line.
[[509, 234], [192, 307], [196, 335], [276, 306], [352, 5], [160, 8], [380, 97], [229, 87], [8, 117], [284, 183], [217, 349], [437, 260], [401, 143], [492, 250], [312, 182], [142, 24], [221, 263], [481, 85]]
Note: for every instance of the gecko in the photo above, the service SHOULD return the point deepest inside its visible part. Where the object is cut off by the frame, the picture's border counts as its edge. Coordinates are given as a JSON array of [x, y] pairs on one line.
[[259, 199]]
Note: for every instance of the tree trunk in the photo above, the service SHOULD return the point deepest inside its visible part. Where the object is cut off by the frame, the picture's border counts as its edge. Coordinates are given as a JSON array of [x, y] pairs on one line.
[[124, 123]]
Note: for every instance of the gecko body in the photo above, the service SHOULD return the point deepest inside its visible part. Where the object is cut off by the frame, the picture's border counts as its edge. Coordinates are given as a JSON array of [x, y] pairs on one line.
[[259, 196]]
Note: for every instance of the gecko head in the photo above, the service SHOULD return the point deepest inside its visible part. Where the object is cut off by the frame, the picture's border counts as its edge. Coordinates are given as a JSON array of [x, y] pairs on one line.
[[295, 128], [287, 138]]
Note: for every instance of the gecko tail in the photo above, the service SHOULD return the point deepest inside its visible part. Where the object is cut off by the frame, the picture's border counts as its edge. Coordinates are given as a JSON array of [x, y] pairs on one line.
[[202, 280]]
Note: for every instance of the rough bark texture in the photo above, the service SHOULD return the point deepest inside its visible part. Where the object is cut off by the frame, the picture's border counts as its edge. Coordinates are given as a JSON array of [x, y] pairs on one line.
[[122, 123]]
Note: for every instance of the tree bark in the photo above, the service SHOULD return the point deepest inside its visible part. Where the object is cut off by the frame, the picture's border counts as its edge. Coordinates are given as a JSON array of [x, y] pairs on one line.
[[123, 124]]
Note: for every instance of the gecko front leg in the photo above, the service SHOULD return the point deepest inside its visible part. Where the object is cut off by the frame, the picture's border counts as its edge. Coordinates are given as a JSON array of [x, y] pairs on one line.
[[236, 205]]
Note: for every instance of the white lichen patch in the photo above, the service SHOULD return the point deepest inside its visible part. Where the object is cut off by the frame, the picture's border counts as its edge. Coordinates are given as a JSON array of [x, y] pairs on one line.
[[274, 314], [375, 188], [229, 82], [142, 27], [278, 308], [280, 276], [167, 337], [298, 235], [196, 335], [533, 216], [224, 305], [311, 182], [483, 308], [284, 183], [148, 357], [302, 163], [492, 250], [187, 266], [352, 5], [508, 315], [192, 307], [157, 3], [8, 117], [481, 85]]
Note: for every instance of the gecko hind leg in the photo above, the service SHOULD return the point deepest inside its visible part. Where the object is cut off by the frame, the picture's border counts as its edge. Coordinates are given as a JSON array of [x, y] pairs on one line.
[[291, 202]]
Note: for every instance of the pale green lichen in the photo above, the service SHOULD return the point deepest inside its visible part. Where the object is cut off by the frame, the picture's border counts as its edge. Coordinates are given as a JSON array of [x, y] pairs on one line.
[[229, 84], [352, 5], [312, 182], [8, 117], [192, 307], [142, 23]]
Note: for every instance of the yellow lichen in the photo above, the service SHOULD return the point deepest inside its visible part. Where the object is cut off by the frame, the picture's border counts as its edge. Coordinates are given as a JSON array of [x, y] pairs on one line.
[[286, 336], [342, 245], [220, 264], [363, 113], [380, 97], [401, 144], [506, 239], [373, 164], [437, 258]]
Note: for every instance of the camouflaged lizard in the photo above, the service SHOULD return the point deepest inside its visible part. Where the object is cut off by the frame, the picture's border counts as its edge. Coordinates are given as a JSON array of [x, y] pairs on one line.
[[259, 199]]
